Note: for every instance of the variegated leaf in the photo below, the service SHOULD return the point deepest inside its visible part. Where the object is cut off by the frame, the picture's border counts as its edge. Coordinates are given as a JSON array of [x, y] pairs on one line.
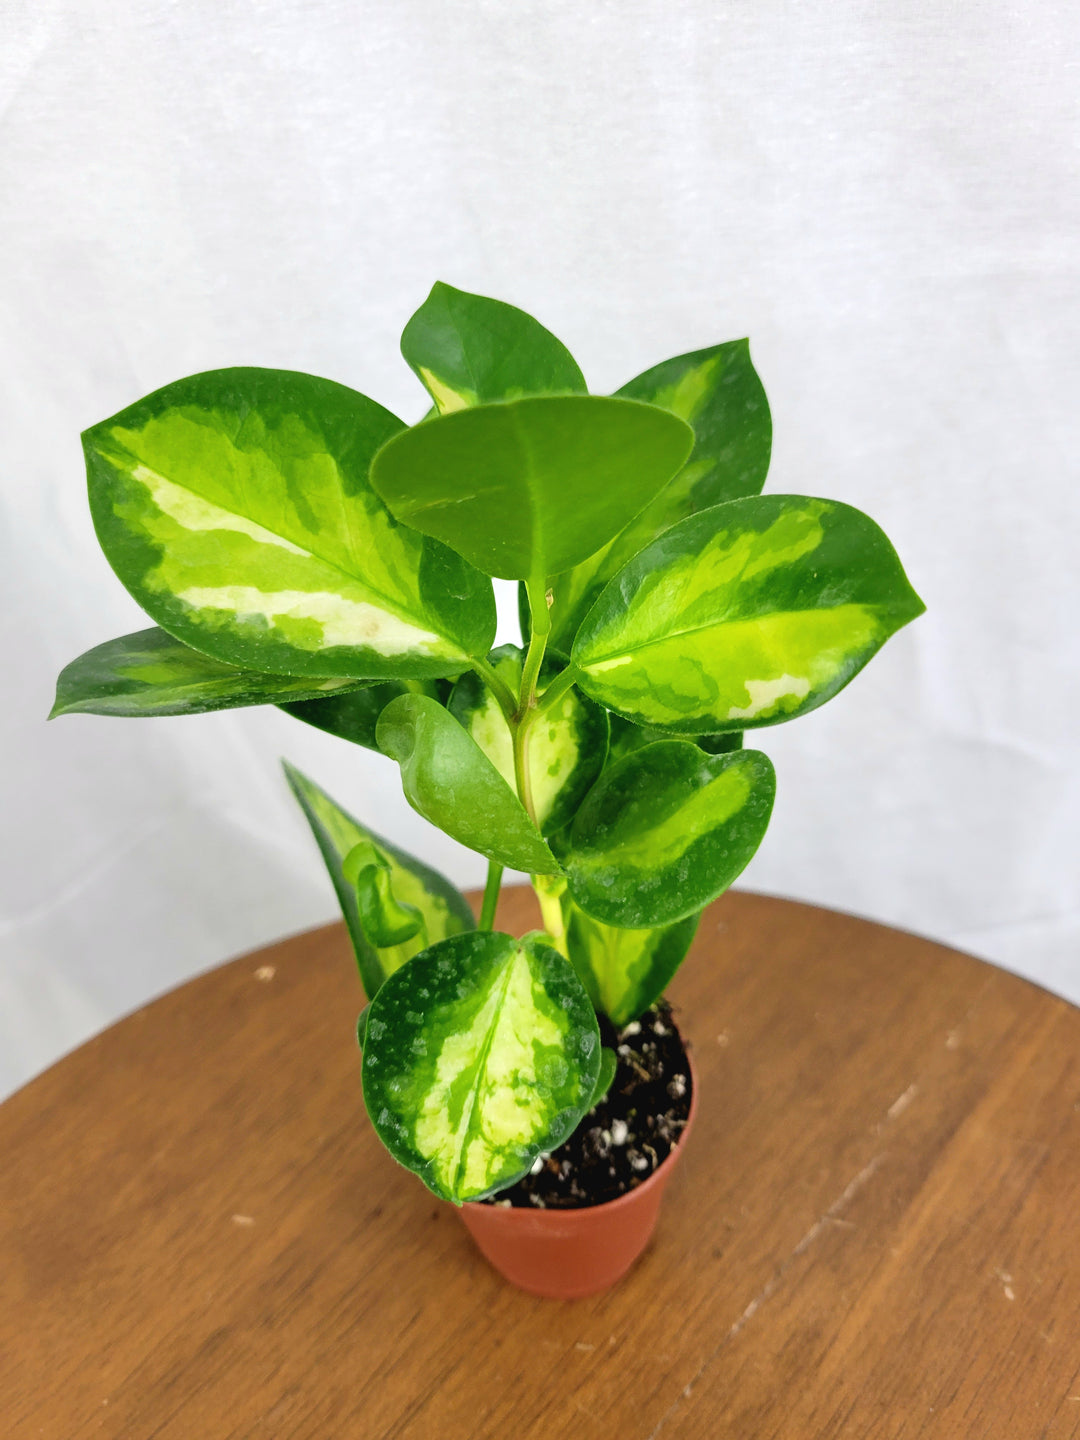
[[665, 831], [235, 506], [627, 737], [443, 910], [386, 920], [745, 615], [353, 716], [528, 488], [449, 780], [467, 349], [718, 392], [565, 746], [625, 971], [478, 1055], [609, 1064], [151, 673]]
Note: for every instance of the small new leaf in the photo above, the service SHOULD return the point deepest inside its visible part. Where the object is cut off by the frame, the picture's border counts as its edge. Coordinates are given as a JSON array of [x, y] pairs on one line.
[[449, 780], [468, 349], [665, 831], [386, 920], [609, 1063], [409, 886], [480, 1054]]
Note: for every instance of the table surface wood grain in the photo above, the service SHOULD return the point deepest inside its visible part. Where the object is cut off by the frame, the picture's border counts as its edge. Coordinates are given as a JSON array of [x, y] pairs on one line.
[[873, 1232]]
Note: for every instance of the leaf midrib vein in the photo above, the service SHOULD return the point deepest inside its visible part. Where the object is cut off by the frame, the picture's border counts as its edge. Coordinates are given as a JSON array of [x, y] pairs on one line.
[[465, 1128]]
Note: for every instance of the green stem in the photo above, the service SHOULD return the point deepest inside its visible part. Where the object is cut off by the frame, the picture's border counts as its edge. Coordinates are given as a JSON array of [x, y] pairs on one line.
[[522, 774], [498, 687], [539, 630], [556, 690], [491, 895]]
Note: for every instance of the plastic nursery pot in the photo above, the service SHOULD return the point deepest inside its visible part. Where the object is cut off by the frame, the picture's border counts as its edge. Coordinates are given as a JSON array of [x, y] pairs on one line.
[[568, 1254]]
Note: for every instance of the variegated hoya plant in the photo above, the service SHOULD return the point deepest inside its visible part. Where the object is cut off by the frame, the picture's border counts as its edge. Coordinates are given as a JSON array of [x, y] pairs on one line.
[[298, 545]]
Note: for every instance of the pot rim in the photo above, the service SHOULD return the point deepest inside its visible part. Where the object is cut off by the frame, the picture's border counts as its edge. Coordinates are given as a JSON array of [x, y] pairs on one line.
[[606, 1206]]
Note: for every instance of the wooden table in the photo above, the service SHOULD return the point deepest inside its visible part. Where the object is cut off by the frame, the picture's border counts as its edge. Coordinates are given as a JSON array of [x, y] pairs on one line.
[[873, 1233]]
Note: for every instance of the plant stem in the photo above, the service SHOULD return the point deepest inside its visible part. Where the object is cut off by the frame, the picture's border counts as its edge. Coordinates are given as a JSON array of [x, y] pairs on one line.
[[549, 890], [522, 774], [539, 631], [556, 690], [491, 895], [498, 687]]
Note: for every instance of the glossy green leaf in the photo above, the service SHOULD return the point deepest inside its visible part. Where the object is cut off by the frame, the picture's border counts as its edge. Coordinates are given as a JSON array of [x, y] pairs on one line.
[[468, 349], [480, 1054], [745, 615], [718, 392], [565, 746], [625, 971], [353, 716], [627, 737], [385, 920], [449, 780], [665, 831], [609, 1064], [528, 488], [151, 673], [235, 506], [443, 910]]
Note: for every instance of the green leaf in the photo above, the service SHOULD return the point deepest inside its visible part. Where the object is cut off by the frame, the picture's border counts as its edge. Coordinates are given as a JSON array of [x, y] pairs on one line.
[[665, 831], [528, 488], [609, 1063], [361, 1025], [449, 780], [482, 1053], [745, 615], [566, 745], [386, 921], [625, 971], [718, 392], [235, 506], [354, 716], [627, 737], [467, 349], [151, 673], [444, 911]]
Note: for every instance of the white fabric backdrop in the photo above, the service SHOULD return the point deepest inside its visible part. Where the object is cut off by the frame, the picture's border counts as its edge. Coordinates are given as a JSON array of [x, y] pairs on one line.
[[883, 198]]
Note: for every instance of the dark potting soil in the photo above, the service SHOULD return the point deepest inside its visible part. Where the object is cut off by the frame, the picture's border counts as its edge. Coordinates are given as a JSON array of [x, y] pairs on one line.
[[629, 1134]]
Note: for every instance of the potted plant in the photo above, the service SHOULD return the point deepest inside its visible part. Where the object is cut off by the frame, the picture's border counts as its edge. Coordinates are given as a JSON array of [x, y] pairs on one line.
[[297, 545]]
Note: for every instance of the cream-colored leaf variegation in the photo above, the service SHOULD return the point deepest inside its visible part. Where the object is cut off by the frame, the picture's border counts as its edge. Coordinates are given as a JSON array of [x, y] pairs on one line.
[[406, 884], [665, 830], [564, 748], [236, 508], [481, 1053], [718, 393], [745, 615], [624, 971], [153, 673]]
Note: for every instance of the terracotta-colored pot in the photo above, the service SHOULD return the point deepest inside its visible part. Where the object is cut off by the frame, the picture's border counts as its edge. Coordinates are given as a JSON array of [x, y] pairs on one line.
[[567, 1254]]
